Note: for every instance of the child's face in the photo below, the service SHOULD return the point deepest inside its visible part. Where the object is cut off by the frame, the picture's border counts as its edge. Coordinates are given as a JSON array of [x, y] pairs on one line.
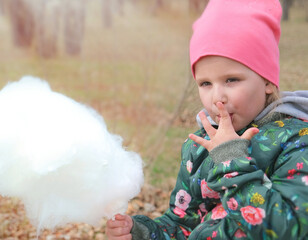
[[241, 90]]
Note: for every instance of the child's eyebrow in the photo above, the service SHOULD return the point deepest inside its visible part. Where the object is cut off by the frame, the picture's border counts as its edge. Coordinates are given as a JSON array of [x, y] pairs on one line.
[[222, 76], [232, 74]]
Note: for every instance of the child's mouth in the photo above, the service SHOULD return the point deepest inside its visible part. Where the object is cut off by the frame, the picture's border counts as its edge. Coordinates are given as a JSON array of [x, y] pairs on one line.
[[230, 115]]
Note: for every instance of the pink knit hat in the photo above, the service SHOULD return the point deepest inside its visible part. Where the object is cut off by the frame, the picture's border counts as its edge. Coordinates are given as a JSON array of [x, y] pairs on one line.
[[247, 31]]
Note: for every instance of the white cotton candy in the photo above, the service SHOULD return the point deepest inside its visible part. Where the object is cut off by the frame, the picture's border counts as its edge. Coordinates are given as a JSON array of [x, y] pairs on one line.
[[57, 156]]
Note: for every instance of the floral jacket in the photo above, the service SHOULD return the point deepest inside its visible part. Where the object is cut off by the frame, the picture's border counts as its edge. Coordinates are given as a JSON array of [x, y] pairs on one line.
[[259, 191]]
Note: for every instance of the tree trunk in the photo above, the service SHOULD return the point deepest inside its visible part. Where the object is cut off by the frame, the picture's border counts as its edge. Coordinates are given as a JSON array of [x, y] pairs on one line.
[[197, 5], [120, 9], [286, 4], [74, 26], [106, 11], [194, 5], [159, 4], [48, 22], [306, 9], [1, 7], [22, 22]]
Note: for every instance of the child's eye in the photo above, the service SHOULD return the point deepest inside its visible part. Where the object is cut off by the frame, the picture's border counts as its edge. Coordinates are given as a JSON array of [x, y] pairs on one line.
[[230, 80], [205, 84]]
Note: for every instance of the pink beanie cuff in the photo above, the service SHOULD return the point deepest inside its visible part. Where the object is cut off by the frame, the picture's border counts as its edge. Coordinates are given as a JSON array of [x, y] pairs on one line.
[[247, 31]]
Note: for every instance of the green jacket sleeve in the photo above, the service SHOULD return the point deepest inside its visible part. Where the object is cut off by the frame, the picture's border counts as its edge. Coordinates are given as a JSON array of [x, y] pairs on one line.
[[264, 194], [185, 211]]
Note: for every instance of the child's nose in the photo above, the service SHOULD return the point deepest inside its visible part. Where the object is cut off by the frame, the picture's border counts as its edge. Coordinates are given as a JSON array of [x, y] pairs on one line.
[[219, 95]]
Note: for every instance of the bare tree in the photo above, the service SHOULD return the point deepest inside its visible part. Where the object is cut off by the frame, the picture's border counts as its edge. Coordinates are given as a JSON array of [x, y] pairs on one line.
[[159, 3], [48, 22], [1, 7], [286, 4], [22, 22], [106, 11], [74, 24], [120, 7], [197, 5], [306, 9]]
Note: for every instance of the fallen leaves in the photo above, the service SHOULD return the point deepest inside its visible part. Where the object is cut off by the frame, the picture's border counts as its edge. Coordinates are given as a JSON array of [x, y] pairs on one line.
[[14, 225]]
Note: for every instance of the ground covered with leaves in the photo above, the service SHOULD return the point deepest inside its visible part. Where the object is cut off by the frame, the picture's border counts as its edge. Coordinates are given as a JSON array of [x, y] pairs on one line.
[[14, 224]]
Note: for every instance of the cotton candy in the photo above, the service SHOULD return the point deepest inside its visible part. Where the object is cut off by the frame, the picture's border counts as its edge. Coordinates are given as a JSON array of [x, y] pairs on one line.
[[58, 157]]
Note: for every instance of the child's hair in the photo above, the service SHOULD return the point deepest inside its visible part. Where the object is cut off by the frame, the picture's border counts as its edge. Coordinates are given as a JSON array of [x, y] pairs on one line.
[[247, 31], [273, 97]]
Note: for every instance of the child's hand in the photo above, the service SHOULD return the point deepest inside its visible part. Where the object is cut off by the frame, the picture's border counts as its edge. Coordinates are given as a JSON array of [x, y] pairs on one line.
[[119, 229], [224, 133]]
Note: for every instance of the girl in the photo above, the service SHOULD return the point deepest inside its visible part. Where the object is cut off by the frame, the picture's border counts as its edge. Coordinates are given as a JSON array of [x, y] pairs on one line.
[[244, 174]]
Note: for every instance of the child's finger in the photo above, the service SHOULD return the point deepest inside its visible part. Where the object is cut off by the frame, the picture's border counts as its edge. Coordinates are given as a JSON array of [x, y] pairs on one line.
[[116, 224], [250, 133], [199, 140], [118, 232], [120, 217], [207, 125], [225, 121]]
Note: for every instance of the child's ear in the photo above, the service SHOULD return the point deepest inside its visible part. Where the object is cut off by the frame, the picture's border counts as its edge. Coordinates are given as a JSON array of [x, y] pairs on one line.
[[269, 87]]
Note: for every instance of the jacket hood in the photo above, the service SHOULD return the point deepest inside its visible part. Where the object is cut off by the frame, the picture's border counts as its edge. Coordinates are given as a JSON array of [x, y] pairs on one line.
[[294, 104]]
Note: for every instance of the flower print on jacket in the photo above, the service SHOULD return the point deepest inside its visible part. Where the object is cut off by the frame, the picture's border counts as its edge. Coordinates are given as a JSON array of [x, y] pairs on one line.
[[182, 200], [185, 232], [180, 212], [232, 204], [239, 234], [299, 166], [231, 175], [291, 174], [303, 132], [257, 199], [253, 215], [226, 163], [189, 166], [208, 192], [280, 123], [305, 180], [218, 212]]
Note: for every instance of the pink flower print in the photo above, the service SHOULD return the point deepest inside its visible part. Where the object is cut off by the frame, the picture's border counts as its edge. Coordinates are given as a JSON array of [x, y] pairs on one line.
[[253, 215], [202, 208], [291, 173], [305, 180], [189, 166], [180, 212], [182, 199], [239, 234], [299, 165], [231, 175], [214, 234], [218, 212], [249, 158], [208, 192], [202, 212], [226, 163], [232, 204], [185, 232]]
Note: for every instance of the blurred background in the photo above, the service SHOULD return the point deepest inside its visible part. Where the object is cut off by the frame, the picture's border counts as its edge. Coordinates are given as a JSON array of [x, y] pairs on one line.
[[129, 60]]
